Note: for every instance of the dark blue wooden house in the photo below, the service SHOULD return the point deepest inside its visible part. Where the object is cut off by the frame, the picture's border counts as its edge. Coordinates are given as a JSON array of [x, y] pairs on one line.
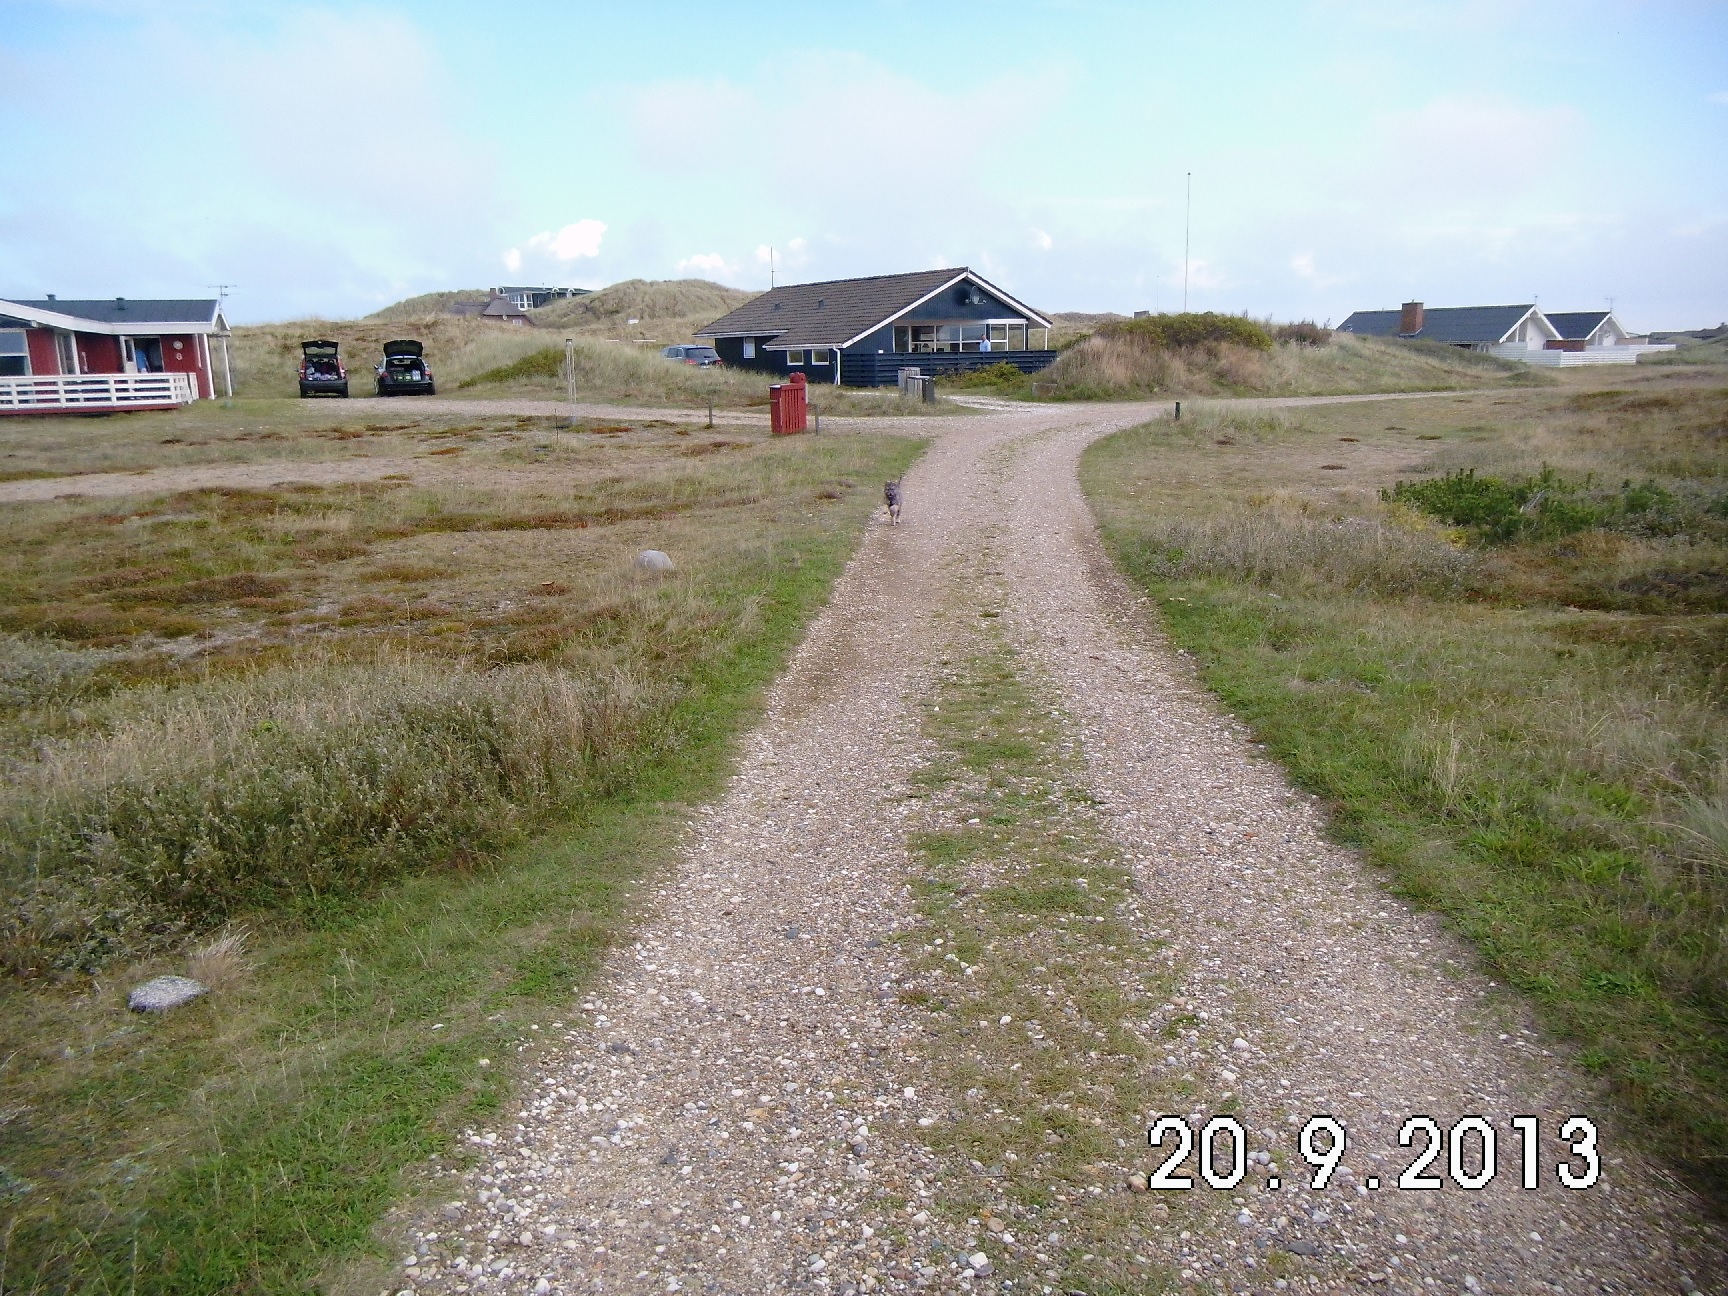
[[862, 332]]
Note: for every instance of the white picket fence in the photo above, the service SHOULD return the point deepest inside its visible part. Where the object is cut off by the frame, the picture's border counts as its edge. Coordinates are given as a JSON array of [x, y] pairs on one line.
[[97, 391]]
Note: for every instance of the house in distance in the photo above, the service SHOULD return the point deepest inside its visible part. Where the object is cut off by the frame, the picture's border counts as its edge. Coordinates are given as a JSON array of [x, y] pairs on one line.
[[1521, 332], [113, 353], [862, 332]]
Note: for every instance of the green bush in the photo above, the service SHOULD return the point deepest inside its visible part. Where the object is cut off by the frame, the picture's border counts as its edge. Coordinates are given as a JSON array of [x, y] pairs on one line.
[[1303, 333], [1195, 329], [548, 362], [1498, 511], [999, 374]]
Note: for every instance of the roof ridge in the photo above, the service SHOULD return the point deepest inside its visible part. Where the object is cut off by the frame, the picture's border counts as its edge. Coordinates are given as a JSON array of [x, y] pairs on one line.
[[904, 274]]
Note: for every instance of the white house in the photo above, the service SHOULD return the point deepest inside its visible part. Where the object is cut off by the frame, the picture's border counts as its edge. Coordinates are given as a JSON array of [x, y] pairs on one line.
[[1521, 332]]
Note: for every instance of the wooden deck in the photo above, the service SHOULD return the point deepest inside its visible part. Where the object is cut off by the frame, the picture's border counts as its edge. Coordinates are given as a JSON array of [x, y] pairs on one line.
[[94, 393]]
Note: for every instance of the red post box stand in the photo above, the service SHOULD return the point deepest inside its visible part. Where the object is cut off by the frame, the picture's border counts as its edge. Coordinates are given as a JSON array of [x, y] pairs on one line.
[[788, 406]]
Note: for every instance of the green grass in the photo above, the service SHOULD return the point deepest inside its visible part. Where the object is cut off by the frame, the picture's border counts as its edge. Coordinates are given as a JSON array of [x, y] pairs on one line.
[[1038, 991], [1548, 775], [251, 1141]]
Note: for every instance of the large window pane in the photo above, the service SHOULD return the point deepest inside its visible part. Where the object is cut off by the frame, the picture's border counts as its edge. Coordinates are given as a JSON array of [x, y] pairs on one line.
[[14, 354]]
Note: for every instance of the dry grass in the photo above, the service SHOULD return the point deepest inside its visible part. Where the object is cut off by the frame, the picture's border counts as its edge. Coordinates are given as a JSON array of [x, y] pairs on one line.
[[171, 658], [221, 963], [1118, 365], [664, 311], [432, 303]]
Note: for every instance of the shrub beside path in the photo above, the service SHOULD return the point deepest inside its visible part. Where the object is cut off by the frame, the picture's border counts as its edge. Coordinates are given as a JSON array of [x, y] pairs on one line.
[[750, 1101]]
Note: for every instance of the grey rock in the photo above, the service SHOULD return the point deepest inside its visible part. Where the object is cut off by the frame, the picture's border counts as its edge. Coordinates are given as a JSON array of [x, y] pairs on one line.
[[159, 994], [654, 560]]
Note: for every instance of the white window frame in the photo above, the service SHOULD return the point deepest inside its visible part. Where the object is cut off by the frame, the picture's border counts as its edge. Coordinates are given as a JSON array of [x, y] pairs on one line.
[[749, 351], [66, 352], [821, 355], [795, 358]]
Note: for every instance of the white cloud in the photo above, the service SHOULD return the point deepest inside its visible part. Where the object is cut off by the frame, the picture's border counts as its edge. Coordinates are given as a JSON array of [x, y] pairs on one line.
[[1720, 97], [512, 260], [1042, 240], [578, 239], [1306, 268], [704, 263]]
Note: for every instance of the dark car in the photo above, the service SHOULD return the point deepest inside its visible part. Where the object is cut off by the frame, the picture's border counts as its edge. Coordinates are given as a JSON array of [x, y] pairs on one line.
[[404, 371], [706, 356], [321, 371]]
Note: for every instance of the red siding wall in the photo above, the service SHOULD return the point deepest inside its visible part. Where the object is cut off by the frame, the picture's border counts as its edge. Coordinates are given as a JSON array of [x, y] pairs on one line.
[[98, 353], [185, 360], [43, 360]]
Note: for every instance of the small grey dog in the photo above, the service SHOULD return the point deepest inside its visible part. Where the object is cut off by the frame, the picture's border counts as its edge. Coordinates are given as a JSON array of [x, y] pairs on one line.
[[891, 493]]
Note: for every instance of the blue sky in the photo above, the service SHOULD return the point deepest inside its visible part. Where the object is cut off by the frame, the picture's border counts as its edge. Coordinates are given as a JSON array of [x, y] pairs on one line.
[[328, 159]]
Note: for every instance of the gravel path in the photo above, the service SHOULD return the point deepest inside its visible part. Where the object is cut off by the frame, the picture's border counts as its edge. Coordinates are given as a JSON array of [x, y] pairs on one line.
[[743, 1104]]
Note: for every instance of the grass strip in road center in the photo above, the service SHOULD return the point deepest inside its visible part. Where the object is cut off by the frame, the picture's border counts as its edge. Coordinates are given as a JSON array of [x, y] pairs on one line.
[[1041, 997]]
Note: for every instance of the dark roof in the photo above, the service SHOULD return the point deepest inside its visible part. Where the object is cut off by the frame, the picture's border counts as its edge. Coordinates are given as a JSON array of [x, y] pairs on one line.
[[1577, 324], [837, 311], [1455, 324], [118, 310], [503, 306]]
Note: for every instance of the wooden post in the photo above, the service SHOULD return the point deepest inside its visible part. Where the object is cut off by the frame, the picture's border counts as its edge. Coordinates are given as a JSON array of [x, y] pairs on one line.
[[710, 413], [1178, 411], [570, 376]]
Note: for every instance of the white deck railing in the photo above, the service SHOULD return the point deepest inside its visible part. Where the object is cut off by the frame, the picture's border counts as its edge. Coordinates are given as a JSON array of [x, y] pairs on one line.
[[97, 391], [1588, 356]]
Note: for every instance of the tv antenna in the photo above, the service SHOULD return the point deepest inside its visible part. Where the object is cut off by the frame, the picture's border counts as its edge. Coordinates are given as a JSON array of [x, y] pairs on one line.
[[770, 269], [1187, 229]]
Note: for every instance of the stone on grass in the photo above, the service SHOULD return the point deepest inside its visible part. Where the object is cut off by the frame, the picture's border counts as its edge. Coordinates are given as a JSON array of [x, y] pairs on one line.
[[655, 561], [159, 994]]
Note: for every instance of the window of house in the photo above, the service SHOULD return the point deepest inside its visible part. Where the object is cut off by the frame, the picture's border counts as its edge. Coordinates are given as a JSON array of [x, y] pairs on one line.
[[794, 357], [749, 348], [14, 354], [960, 337], [821, 356], [67, 351]]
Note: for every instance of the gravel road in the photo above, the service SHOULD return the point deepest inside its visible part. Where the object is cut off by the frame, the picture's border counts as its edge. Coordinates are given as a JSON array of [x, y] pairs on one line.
[[744, 1103]]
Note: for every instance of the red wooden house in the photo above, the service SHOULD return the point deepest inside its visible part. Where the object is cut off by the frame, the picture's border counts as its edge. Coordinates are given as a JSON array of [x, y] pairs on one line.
[[90, 356]]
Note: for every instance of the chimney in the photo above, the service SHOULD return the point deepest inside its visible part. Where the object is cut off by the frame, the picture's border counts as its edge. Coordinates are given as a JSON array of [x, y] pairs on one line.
[[50, 296], [1410, 322], [119, 303]]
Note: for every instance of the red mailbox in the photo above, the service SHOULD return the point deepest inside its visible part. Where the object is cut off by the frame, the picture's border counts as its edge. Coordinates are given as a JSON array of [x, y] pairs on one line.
[[788, 404]]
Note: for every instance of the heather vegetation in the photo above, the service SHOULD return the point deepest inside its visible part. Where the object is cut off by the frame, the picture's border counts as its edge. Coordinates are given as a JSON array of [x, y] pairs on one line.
[[385, 761], [1204, 354], [1491, 631]]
